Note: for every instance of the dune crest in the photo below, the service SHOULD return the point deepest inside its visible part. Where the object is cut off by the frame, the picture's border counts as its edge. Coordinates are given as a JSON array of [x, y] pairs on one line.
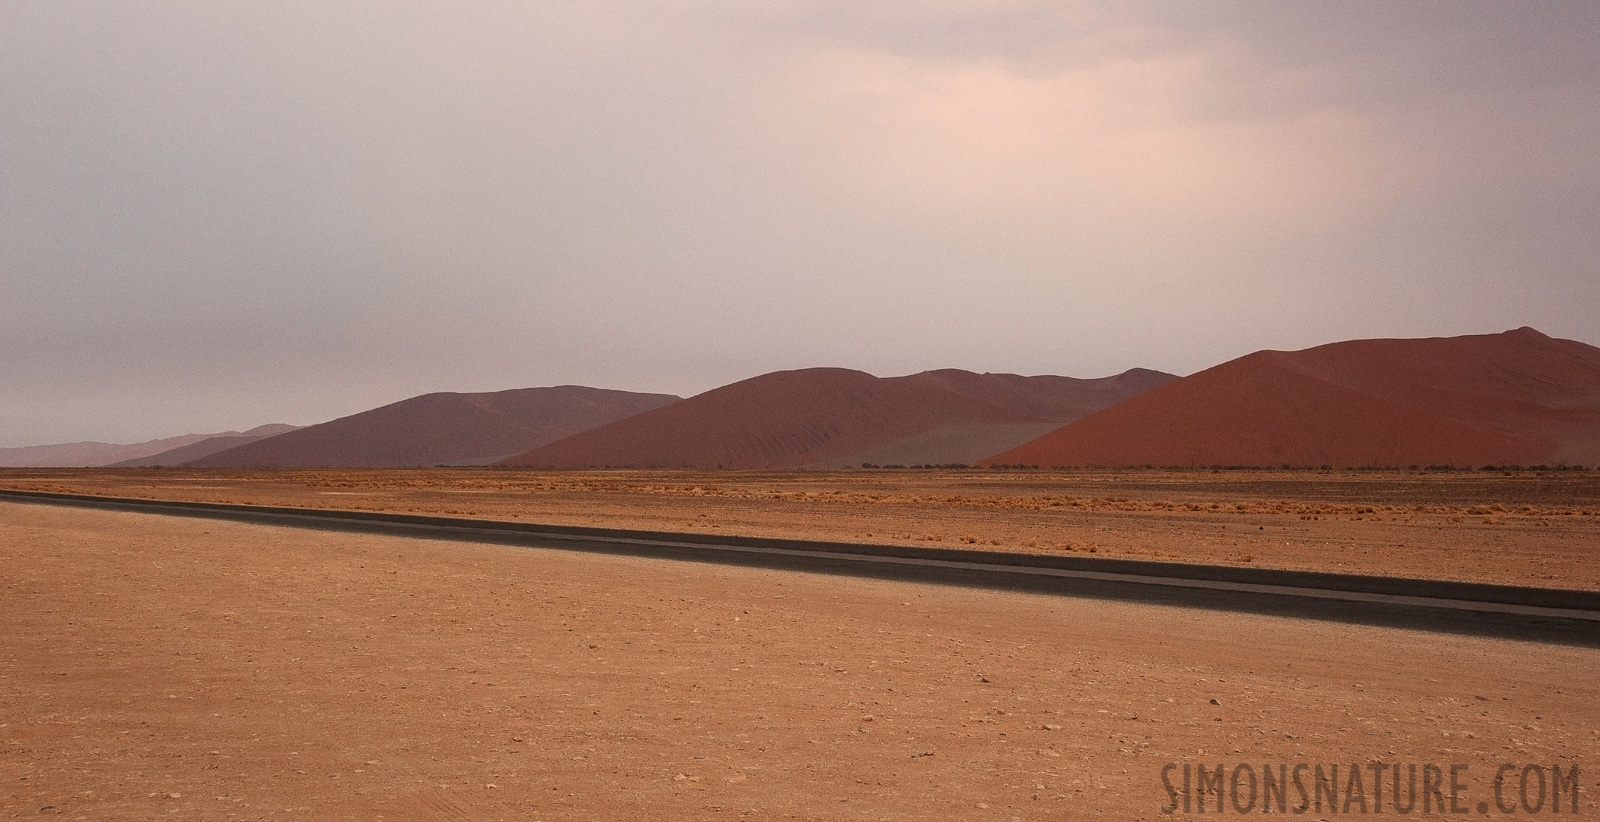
[[108, 454], [1519, 397], [838, 416], [440, 429]]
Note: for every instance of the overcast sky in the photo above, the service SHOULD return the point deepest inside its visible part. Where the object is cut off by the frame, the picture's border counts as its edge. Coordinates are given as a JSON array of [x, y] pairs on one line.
[[217, 215]]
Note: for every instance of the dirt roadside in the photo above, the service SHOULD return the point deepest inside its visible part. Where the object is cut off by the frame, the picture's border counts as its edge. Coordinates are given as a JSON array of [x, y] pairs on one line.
[[1538, 528]]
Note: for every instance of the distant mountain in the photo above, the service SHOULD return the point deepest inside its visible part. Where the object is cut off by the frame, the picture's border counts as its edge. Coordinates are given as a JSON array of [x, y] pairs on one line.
[[441, 429], [100, 454], [1514, 398], [836, 416], [205, 447]]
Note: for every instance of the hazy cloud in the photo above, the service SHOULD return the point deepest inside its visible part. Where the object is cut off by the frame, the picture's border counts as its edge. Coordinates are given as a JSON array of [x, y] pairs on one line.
[[219, 215]]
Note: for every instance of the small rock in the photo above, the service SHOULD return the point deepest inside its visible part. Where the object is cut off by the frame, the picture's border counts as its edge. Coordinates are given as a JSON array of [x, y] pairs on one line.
[[1049, 727], [1214, 702]]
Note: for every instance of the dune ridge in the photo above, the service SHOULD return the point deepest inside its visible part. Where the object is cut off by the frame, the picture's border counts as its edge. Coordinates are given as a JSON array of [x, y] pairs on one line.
[[205, 447], [1519, 397], [104, 454], [440, 429], [833, 416]]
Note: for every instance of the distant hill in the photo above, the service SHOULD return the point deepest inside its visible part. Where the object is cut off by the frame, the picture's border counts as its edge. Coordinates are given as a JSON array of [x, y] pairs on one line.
[[440, 429], [100, 454], [836, 416], [1514, 398], [205, 447]]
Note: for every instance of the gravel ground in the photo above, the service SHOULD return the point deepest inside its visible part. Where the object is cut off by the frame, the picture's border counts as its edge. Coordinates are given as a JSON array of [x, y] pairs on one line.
[[171, 668]]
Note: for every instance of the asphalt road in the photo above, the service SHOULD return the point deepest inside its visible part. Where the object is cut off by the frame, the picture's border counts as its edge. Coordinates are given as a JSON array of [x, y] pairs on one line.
[[1511, 612]]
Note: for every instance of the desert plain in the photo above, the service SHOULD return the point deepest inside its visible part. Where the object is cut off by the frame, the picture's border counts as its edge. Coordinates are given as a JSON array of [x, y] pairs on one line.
[[1518, 527], [158, 667]]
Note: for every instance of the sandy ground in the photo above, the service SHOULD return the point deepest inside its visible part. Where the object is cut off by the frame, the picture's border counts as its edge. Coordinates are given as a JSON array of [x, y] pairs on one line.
[[172, 668], [1539, 528]]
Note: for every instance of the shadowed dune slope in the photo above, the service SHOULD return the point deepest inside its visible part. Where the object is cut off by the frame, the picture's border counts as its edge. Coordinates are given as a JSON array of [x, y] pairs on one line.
[[441, 429], [823, 416], [1046, 397], [1514, 398]]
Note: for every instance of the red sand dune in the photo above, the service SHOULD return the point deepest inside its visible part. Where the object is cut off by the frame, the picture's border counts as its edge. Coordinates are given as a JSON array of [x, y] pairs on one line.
[[1045, 397], [441, 429], [1514, 398], [97, 454], [819, 416], [205, 447]]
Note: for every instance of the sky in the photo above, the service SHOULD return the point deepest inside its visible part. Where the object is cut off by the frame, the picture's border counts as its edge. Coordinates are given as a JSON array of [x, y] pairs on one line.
[[218, 215]]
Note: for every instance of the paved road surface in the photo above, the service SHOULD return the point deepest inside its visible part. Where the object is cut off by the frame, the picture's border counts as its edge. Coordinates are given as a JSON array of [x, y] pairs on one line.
[[1538, 614]]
